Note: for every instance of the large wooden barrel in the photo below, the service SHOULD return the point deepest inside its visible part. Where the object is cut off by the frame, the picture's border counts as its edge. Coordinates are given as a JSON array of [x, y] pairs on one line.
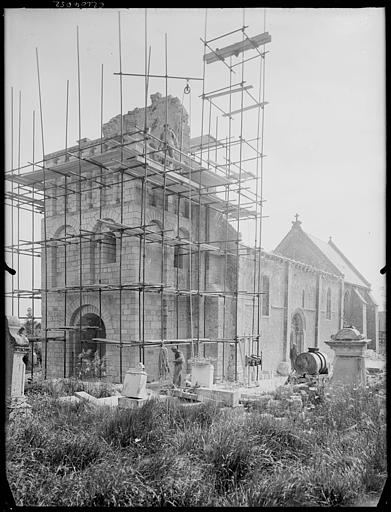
[[312, 362]]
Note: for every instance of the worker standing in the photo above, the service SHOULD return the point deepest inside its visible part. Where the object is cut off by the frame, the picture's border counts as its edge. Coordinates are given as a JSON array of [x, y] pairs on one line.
[[170, 138]]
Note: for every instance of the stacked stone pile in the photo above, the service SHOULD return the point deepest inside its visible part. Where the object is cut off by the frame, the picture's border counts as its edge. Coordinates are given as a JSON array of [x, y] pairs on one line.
[[287, 400]]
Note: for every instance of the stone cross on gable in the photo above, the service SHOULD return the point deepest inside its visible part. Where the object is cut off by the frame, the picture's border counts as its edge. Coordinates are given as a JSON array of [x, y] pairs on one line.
[[296, 222]]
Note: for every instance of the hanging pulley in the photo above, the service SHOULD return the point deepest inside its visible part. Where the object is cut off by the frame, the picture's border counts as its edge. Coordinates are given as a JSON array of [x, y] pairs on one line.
[[187, 89]]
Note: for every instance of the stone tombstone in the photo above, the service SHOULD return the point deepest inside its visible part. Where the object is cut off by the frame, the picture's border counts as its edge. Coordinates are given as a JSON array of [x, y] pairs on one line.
[[202, 373], [349, 346], [135, 383], [17, 345], [284, 368]]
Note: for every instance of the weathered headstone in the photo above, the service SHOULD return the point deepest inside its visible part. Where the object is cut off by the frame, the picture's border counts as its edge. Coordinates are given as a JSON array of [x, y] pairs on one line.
[[349, 346], [135, 383], [17, 346], [202, 374]]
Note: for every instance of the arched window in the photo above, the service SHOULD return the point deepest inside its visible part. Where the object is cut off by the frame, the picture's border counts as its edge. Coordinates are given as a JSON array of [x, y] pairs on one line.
[[109, 248], [265, 301], [64, 256], [297, 332], [328, 304]]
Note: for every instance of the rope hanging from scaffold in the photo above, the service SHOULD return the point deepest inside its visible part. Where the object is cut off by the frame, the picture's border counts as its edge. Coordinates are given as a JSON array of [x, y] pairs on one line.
[[163, 366]]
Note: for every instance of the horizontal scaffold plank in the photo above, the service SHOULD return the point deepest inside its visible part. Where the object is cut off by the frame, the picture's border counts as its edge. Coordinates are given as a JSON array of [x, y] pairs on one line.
[[237, 48], [229, 91], [261, 105]]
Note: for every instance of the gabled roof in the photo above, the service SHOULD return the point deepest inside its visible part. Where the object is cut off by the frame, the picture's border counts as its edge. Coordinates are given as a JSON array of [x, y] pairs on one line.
[[312, 250], [330, 250]]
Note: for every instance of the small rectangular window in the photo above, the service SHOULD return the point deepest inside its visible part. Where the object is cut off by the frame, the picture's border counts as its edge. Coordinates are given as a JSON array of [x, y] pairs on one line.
[[178, 257], [152, 198], [109, 248]]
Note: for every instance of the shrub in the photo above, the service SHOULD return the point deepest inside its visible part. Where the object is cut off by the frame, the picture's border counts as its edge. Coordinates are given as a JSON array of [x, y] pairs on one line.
[[90, 365]]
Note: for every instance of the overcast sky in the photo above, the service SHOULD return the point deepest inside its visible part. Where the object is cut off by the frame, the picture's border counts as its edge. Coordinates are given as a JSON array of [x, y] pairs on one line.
[[324, 124]]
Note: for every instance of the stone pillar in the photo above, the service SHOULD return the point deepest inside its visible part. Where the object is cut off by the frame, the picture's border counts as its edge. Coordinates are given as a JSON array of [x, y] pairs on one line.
[[349, 361], [17, 345]]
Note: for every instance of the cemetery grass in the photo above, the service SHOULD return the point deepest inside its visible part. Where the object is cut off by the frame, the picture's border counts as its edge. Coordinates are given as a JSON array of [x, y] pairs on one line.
[[168, 454]]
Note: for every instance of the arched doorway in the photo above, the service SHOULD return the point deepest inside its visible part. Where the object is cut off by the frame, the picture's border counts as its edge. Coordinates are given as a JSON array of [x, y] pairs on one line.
[[90, 326], [297, 332]]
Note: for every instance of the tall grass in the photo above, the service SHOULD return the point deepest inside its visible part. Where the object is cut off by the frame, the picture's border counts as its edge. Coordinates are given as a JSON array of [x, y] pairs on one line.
[[167, 454], [68, 386]]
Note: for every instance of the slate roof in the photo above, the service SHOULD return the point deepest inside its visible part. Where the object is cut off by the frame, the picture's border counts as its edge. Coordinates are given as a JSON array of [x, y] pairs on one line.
[[352, 275]]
